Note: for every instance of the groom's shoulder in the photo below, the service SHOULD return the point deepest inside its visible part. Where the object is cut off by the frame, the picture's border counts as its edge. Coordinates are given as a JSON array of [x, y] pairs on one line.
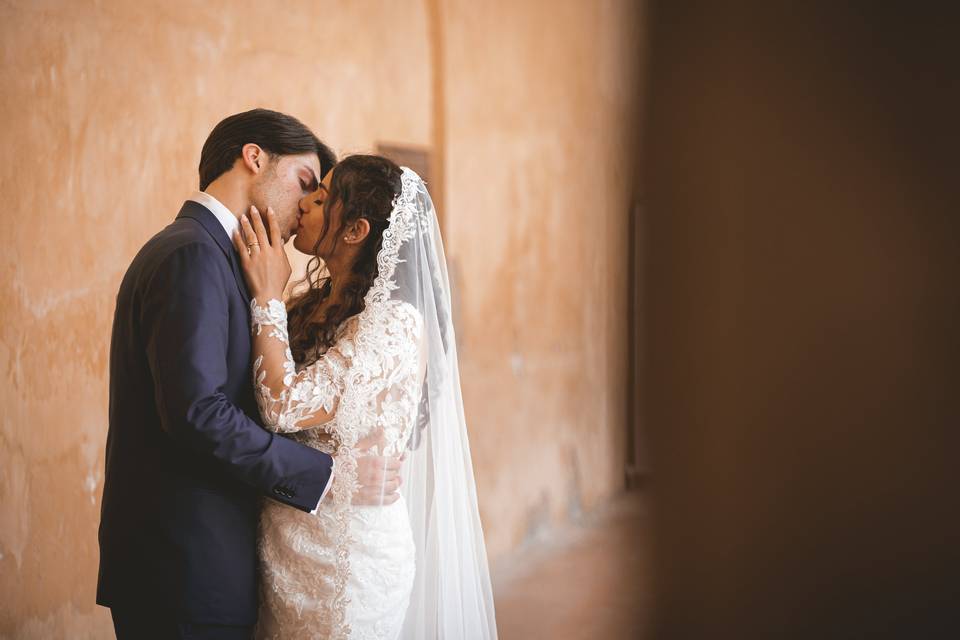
[[181, 232], [184, 239]]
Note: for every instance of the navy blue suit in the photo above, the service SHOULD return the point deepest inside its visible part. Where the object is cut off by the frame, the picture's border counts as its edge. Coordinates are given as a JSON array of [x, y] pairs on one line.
[[187, 459]]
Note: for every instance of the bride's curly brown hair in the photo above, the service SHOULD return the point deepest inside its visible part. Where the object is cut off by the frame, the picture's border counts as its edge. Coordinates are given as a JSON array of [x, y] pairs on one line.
[[366, 185]]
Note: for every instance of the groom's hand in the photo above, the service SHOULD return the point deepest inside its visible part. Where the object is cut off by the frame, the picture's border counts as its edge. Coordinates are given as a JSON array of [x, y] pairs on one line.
[[379, 480]]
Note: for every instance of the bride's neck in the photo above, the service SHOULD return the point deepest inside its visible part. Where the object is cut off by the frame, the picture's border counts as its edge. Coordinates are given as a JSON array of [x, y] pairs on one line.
[[339, 280], [336, 291], [341, 276]]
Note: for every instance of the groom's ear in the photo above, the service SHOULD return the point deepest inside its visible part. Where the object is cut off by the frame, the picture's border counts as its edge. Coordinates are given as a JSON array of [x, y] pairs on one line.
[[254, 158]]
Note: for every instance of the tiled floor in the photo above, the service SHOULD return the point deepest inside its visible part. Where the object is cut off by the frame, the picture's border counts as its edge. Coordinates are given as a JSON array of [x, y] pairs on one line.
[[589, 582]]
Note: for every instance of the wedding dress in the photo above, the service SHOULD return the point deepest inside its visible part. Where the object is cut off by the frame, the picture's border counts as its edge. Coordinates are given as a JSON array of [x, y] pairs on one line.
[[416, 568]]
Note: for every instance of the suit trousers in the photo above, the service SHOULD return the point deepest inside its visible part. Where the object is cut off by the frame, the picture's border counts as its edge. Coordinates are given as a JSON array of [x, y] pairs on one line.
[[140, 625]]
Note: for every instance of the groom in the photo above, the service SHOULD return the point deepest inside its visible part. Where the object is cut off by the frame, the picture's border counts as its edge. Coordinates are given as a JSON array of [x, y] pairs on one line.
[[187, 459]]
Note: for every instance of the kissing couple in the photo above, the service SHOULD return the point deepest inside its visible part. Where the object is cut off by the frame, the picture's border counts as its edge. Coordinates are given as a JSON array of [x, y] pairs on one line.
[[301, 469]]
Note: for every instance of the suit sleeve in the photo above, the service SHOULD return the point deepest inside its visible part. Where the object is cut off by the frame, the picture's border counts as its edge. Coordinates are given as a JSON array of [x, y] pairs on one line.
[[185, 320]]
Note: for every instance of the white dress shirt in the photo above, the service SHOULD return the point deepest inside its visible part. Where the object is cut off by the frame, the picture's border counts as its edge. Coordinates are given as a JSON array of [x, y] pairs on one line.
[[230, 224], [228, 220]]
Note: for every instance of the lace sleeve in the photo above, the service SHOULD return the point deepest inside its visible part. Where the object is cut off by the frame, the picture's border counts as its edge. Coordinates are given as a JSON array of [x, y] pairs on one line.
[[291, 401]]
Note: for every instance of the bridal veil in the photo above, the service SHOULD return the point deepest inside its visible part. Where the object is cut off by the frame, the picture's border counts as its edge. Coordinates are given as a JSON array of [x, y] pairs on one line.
[[452, 596]]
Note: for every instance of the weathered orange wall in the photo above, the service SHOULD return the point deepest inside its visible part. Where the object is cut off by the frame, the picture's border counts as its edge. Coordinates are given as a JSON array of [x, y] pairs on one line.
[[539, 103], [104, 110]]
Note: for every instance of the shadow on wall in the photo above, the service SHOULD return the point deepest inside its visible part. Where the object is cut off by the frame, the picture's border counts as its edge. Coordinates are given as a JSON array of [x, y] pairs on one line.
[[540, 521]]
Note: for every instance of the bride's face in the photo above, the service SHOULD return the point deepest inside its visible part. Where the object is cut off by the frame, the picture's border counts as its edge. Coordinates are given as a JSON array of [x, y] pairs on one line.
[[311, 221]]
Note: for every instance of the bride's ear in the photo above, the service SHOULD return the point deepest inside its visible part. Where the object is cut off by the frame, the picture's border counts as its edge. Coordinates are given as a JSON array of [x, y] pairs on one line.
[[358, 231]]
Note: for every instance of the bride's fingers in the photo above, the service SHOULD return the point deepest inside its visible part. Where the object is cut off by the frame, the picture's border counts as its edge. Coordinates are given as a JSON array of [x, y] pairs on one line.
[[241, 247], [241, 233], [250, 241], [276, 240], [258, 227]]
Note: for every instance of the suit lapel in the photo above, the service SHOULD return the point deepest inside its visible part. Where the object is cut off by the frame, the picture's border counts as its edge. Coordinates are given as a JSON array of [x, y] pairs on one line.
[[209, 222]]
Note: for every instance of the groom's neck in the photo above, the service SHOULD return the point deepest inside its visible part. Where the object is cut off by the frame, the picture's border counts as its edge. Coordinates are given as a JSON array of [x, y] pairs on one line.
[[230, 193]]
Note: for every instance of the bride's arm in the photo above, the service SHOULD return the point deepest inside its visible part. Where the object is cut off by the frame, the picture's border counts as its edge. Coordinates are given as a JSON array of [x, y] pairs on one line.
[[291, 401], [288, 401]]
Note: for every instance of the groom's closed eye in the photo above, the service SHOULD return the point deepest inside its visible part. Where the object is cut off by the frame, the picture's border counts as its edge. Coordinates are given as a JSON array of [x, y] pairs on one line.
[[308, 181], [308, 186]]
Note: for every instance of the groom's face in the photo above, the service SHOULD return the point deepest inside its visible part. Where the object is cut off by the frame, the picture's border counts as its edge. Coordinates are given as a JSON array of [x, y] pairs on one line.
[[285, 181]]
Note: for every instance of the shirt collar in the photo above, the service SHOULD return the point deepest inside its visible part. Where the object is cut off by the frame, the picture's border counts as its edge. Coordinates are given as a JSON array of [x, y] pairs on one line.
[[226, 218]]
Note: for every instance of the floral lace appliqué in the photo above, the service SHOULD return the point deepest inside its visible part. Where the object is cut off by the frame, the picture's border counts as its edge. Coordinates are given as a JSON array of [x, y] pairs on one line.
[[368, 383]]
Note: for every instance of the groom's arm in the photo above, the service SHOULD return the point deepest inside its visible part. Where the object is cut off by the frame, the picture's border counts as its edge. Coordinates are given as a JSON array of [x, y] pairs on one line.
[[186, 330]]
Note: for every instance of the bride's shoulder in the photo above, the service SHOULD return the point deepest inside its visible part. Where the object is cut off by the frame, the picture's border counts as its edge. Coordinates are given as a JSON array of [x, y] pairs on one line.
[[403, 312], [404, 308], [348, 327], [389, 315]]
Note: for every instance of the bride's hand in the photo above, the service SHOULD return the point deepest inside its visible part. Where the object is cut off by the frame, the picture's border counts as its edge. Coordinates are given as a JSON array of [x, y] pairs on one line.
[[265, 263]]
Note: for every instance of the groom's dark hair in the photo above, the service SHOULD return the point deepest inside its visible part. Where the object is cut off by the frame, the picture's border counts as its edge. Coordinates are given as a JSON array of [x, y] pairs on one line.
[[273, 131]]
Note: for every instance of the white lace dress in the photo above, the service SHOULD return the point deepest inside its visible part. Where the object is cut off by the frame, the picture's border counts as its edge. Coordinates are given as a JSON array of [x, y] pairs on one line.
[[347, 571]]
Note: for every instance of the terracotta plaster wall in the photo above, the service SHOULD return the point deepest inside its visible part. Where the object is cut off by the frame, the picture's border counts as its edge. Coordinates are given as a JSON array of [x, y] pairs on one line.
[[529, 108], [104, 109], [540, 99]]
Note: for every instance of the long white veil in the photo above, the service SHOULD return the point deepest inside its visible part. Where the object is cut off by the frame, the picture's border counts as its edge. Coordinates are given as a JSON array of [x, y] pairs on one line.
[[451, 597]]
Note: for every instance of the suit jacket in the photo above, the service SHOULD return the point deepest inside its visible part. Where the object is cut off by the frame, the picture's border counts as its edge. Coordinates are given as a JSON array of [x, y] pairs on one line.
[[187, 459]]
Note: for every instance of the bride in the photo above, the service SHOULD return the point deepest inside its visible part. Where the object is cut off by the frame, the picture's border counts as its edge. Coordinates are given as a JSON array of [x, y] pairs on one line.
[[364, 360]]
